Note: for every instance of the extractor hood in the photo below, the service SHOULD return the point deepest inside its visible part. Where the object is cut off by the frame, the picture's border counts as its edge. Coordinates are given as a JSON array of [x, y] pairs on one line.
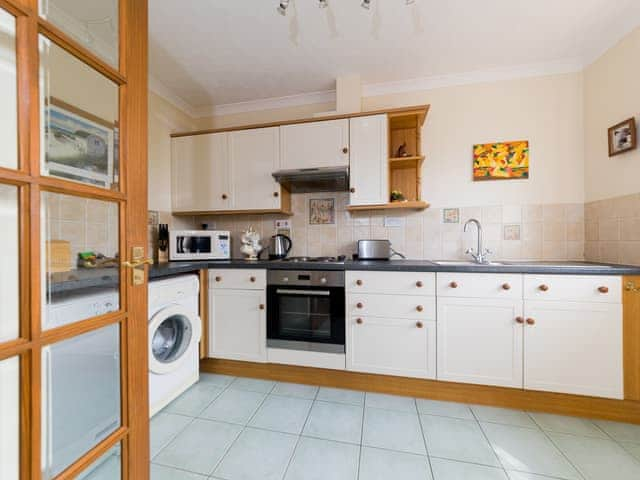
[[307, 180]]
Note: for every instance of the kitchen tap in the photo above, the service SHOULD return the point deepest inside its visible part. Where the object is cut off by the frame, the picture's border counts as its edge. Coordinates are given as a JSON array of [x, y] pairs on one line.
[[481, 254]]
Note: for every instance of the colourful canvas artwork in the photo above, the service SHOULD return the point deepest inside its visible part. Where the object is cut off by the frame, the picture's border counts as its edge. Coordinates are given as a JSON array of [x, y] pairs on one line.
[[501, 161]]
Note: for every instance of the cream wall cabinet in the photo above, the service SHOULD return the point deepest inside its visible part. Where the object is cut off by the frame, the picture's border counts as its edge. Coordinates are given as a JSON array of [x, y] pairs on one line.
[[369, 171], [254, 155], [315, 144], [200, 173]]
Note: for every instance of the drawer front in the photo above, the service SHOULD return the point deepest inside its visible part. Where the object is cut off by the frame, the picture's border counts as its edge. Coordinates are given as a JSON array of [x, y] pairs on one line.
[[404, 283], [573, 288], [239, 279], [392, 346], [398, 306], [479, 285]]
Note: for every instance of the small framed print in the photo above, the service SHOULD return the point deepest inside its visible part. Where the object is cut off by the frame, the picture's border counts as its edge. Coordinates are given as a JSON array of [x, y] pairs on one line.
[[623, 137], [322, 211]]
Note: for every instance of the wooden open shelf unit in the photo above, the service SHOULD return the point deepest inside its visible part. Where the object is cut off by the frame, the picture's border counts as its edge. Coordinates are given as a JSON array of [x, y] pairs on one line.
[[405, 171]]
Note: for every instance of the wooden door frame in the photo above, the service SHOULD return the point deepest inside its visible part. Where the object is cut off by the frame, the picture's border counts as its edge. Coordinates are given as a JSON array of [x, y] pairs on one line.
[[131, 79]]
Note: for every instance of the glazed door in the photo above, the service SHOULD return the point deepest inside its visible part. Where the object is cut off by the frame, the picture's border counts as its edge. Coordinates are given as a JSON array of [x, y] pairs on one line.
[[73, 208]]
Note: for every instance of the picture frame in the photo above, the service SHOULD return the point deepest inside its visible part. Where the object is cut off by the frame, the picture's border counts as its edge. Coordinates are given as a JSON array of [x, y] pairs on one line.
[[623, 137], [501, 161], [322, 211], [79, 145]]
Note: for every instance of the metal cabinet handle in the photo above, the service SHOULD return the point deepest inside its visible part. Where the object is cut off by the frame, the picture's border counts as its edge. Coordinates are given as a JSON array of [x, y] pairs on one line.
[[359, 321], [520, 320], [506, 286], [359, 305], [453, 284], [419, 284], [276, 194], [419, 308], [218, 279], [603, 289], [359, 283], [261, 306], [531, 321], [252, 279], [345, 150], [543, 288], [419, 324]]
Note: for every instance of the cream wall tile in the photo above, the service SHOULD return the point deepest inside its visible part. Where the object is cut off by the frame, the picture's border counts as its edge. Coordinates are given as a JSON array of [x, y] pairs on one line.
[[492, 214], [630, 253], [532, 213], [575, 250], [591, 231], [554, 250], [574, 213], [609, 229], [575, 232], [554, 213], [554, 231], [511, 214], [532, 232], [630, 228], [609, 252], [73, 208]]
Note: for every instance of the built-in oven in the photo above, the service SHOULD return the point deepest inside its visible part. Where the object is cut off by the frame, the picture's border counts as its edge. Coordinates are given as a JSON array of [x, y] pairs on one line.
[[306, 310]]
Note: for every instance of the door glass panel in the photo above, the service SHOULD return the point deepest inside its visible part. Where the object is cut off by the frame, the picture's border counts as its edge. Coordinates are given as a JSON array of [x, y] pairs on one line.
[[9, 255], [9, 419], [79, 120], [304, 317], [107, 467], [171, 339], [79, 258], [8, 92], [80, 396], [92, 23]]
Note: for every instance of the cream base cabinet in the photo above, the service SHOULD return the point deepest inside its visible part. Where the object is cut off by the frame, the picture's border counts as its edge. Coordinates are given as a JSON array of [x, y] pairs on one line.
[[200, 174], [392, 346], [254, 156], [369, 170], [391, 323], [237, 315], [574, 348], [480, 341], [315, 144]]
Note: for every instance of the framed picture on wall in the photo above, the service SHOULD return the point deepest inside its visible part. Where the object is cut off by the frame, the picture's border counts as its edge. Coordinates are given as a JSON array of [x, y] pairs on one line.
[[79, 145], [501, 161], [623, 137]]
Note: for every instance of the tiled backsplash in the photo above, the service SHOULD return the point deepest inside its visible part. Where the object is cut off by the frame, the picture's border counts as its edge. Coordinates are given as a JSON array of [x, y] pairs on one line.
[[531, 232], [613, 230], [89, 225]]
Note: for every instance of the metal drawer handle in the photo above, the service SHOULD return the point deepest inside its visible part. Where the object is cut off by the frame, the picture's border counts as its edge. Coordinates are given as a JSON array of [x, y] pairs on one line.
[[419, 308], [359, 305], [359, 321], [315, 293], [519, 320], [453, 284], [419, 284], [544, 288], [419, 324], [603, 289], [531, 321]]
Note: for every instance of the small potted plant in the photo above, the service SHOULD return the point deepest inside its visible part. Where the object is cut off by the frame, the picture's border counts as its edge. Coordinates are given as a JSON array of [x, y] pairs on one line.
[[397, 196]]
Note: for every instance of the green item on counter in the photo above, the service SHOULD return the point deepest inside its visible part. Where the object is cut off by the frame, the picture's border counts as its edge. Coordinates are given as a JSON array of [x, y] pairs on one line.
[[86, 255]]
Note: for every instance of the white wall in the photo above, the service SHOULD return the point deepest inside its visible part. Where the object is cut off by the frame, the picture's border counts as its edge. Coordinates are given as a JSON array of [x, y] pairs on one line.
[[611, 95], [8, 91], [547, 111]]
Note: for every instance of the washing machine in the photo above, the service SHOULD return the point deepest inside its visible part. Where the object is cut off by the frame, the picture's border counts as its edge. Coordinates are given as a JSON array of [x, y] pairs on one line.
[[174, 333]]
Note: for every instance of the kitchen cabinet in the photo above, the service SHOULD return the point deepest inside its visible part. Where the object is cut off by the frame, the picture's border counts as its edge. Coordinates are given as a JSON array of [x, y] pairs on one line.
[[573, 335], [480, 340], [392, 346], [237, 315], [200, 173], [315, 144], [254, 155], [391, 333], [369, 171]]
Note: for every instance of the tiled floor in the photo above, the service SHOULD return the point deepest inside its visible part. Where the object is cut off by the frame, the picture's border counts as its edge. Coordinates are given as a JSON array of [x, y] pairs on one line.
[[244, 429]]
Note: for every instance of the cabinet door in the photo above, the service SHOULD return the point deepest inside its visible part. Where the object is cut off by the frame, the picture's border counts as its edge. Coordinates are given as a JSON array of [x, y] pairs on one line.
[[480, 341], [369, 168], [315, 144], [392, 346], [255, 155], [200, 172], [574, 348], [237, 325]]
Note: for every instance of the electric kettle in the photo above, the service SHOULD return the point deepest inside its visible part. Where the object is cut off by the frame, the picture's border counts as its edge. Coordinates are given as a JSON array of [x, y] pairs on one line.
[[279, 247]]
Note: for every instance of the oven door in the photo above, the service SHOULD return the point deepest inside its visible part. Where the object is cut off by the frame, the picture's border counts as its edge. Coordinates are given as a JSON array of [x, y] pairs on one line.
[[306, 318]]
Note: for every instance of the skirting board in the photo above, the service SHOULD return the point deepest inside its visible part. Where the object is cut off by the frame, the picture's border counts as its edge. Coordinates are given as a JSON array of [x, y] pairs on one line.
[[307, 359], [572, 405]]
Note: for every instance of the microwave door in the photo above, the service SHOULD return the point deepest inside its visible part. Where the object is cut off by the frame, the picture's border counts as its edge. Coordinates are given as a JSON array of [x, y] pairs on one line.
[[180, 242]]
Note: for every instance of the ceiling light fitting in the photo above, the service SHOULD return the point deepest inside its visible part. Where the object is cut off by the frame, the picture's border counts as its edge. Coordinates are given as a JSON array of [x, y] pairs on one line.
[[323, 3], [366, 4], [282, 7]]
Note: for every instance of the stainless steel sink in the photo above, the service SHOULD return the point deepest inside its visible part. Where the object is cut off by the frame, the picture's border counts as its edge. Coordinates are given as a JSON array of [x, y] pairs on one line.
[[465, 263]]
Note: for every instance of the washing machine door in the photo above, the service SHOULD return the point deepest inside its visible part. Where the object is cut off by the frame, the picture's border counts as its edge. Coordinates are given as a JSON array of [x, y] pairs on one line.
[[173, 331]]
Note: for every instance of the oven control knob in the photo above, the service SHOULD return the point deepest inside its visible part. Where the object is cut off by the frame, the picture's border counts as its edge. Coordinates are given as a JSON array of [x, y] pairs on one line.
[[323, 280]]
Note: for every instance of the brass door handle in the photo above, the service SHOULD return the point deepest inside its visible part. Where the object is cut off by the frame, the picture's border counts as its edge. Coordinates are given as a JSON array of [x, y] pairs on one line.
[[631, 287], [138, 263]]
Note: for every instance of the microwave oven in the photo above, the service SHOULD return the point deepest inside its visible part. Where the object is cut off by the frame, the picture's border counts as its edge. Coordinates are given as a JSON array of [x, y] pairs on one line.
[[199, 245]]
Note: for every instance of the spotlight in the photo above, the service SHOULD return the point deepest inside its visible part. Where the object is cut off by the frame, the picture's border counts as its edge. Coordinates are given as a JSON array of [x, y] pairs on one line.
[[323, 3], [282, 8], [366, 4]]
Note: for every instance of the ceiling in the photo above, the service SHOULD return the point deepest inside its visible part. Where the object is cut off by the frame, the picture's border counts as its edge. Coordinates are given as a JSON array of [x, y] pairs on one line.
[[213, 52]]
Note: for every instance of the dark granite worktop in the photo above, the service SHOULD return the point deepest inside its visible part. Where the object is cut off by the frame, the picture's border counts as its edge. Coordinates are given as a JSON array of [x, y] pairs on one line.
[[108, 277]]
